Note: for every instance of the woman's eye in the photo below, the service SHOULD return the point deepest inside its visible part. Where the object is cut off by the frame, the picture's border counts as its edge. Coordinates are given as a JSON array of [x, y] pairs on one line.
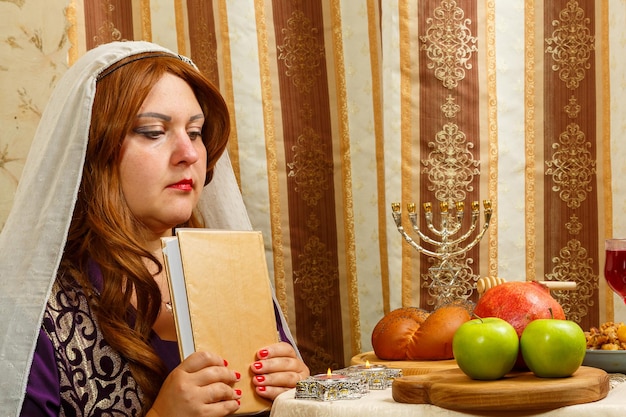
[[150, 134], [195, 135]]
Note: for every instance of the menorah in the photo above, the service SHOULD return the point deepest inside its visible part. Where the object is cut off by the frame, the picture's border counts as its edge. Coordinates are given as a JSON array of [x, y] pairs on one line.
[[447, 279]]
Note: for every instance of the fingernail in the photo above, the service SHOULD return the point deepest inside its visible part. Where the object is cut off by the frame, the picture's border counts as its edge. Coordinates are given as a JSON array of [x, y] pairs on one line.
[[225, 362], [257, 365], [260, 378], [261, 388], [237, 375], [238, 402], [237, 391], [263, 353]]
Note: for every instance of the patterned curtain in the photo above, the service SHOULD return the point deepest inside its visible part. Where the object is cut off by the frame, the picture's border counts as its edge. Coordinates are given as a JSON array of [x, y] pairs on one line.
[[341, 108]]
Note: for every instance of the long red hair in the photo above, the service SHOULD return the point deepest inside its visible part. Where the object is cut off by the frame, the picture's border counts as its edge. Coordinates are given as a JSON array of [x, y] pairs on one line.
[[105, 231]]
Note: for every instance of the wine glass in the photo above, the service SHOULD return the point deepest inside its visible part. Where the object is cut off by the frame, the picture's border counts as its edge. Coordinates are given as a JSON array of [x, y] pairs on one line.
[[615, 266]]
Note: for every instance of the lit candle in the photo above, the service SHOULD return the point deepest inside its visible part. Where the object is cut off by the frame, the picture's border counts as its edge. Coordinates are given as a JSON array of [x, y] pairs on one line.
[[368, 367], [329, 375]]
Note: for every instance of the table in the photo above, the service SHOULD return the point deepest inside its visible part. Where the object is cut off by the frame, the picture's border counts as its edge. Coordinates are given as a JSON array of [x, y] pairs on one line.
[[381, 404]]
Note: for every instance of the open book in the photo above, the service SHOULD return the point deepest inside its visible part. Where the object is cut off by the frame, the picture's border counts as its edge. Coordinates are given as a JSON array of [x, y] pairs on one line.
[[221, 298]]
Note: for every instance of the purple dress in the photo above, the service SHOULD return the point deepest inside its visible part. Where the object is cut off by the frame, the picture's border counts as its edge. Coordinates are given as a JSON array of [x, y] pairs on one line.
[[74, 371], [43, 393]]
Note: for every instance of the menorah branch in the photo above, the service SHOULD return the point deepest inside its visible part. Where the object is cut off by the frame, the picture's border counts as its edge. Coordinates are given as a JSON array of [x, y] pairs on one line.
[[444, 275]]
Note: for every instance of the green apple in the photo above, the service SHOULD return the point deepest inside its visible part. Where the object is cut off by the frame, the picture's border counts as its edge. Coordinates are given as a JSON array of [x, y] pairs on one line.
[[485, 349], [553, 348]]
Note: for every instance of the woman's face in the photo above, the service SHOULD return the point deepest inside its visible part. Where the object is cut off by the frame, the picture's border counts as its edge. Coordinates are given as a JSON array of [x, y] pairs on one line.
[[163, 159]]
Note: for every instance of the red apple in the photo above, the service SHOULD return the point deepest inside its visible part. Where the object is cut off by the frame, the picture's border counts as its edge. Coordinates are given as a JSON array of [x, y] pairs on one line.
[[519, 303]]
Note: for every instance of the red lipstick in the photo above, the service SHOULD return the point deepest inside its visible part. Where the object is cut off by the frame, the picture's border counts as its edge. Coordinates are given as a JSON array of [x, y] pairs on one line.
[[184, 185]]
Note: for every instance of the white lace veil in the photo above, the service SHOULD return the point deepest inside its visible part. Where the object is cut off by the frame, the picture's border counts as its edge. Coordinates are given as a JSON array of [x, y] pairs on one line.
[[32, 240]]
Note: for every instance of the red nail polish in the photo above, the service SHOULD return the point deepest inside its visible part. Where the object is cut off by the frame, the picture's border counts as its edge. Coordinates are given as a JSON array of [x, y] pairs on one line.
[[225, 362], [237, 391], [261, 388], [238, 402], [263, 353], [237, 375], [257, 365], [260, 378]]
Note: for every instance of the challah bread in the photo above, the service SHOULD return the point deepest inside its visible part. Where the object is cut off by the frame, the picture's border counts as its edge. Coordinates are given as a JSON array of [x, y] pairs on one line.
[[433, 340], [393, 333], [410, 333]]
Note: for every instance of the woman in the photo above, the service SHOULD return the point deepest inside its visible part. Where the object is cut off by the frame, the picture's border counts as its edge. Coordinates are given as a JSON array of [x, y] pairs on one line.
[[132, 134]]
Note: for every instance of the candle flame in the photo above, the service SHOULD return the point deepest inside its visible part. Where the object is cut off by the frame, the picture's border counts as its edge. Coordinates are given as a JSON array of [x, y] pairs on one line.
[[329, 373], [367, 364]]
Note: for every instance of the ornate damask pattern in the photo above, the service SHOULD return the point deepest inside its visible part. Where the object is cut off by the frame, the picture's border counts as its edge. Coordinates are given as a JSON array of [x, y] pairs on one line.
[[492, 136], [450, 108], [316, 276], [301, 51], [309, 168], [309, 165], [574, 226], [450, 167], [107, 31], [573, 108], [449, 43], [571, 45], [571, 164], [575, 264], [530, 139], [107, 21], [203, 40]]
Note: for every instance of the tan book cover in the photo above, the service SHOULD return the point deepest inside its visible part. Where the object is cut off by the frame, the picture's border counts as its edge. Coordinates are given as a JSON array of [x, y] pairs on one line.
[[222, 300]]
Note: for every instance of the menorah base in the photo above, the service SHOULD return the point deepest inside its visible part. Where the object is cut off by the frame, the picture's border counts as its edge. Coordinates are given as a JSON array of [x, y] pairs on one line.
[[449, 282]]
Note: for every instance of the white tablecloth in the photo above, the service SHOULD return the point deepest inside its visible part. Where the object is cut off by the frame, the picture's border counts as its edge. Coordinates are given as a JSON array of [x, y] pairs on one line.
[[381, 404]]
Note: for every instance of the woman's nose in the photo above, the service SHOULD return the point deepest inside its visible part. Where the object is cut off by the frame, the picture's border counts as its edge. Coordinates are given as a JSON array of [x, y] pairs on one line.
[[185, 150]]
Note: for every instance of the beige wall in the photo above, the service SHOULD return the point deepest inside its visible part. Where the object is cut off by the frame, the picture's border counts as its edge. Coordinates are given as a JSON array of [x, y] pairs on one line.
[[33, 55]]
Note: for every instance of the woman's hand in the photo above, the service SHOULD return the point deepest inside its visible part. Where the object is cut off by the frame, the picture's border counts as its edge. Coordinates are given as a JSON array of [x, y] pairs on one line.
[[277, 370], [200, 385]]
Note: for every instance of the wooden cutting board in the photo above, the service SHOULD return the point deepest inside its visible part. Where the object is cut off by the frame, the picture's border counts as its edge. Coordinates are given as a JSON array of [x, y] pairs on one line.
[[408, 367], [522, 391]]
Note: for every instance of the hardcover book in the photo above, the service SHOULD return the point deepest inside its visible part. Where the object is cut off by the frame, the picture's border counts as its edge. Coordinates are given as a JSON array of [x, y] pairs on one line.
[[222, 300]]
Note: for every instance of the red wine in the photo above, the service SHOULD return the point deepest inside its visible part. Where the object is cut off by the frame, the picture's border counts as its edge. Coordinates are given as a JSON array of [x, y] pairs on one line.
[[615, 271]]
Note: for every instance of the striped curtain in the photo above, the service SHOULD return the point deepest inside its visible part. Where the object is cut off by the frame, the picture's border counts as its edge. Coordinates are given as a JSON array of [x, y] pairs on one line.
[[341, 108]]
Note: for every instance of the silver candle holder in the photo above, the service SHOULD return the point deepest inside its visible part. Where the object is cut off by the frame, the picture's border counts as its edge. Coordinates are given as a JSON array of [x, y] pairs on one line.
[[377, 377], [331, 387], [450, 278], [349, 383]]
